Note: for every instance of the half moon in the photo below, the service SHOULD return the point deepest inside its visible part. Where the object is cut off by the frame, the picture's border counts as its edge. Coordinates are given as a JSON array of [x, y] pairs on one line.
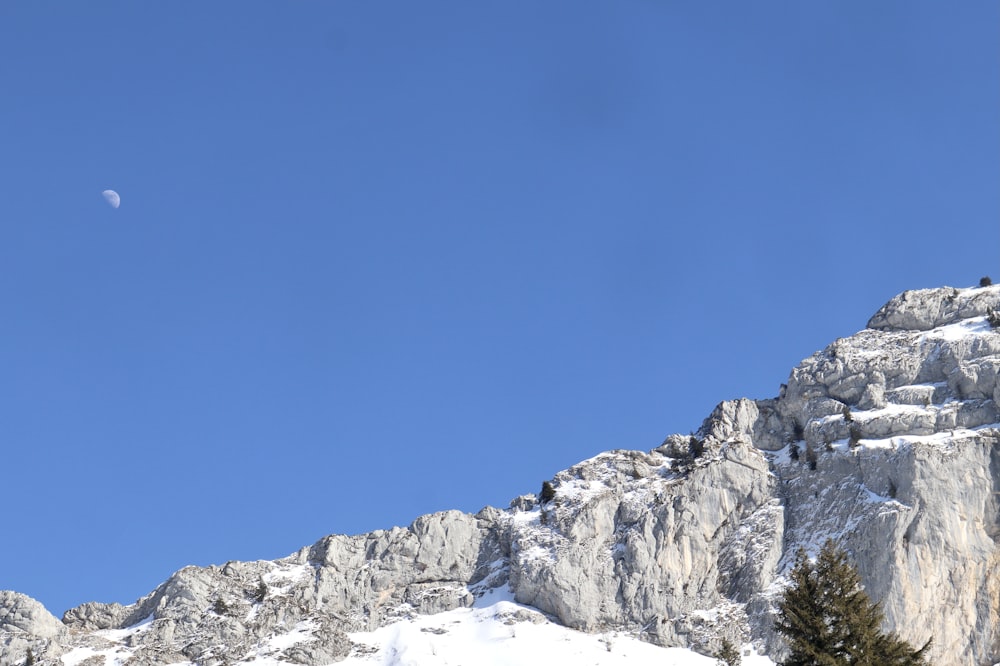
[[112, 198]]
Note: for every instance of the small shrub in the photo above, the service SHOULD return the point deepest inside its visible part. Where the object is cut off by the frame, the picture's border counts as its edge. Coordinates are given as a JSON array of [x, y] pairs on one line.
[[696, 447], [220, 607], [798, 432], [985, 281], [29, 660], [548, 492], [855, 436], [261, 592], [811, 459], [993, 316], [793, 452], [728, 655], [846, 411]]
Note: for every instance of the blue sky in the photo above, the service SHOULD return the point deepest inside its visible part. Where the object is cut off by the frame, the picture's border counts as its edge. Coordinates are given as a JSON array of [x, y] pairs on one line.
[[378, 259]]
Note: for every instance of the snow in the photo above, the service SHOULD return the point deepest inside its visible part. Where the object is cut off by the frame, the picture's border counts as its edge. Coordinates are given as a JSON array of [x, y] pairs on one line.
[[943, 440], [118, 635], [114, 656], [959, 330], [117, 653], [77, 655], [890, 409], [281, 580], [499, 632], [496, 631], [532, 517], [286, 575], [266, 654], [580, 490], [537, 552]]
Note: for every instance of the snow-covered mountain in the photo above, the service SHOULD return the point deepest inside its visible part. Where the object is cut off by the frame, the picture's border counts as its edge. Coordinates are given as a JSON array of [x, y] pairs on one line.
[[888, 441], [494, 631]]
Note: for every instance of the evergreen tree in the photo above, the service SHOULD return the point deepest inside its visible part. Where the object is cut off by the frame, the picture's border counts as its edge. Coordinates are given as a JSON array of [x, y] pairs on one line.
[[728, 655], [548, 492], [261, 592], [828, 619]]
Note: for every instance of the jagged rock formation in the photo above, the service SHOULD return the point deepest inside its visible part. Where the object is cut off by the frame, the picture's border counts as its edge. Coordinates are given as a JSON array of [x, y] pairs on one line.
[[887, 441]]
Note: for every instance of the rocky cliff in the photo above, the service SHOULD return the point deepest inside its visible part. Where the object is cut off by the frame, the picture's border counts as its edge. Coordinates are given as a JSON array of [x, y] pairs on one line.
[[887, 441]]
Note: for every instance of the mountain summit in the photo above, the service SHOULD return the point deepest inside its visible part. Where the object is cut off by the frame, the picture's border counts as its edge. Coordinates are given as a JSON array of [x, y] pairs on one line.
[[887, 441]]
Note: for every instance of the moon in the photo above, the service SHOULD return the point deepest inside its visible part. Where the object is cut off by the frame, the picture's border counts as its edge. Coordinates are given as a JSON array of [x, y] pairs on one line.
[[112, 198]]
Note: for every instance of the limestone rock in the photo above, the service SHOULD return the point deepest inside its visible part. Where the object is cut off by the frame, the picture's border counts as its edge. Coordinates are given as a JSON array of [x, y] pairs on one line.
[[26, 625], [20, 613], [638, 540], [920, 519], [754, 421], [887, 440], [924, 309]]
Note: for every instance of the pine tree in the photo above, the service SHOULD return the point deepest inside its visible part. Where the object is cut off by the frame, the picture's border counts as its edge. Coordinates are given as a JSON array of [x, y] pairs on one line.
[[261, 592], [548, 492], [828, 619], [220, 607], [728, 655]]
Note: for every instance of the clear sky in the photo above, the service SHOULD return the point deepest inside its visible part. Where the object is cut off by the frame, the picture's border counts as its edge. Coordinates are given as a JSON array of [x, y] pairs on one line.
[[377, 259]]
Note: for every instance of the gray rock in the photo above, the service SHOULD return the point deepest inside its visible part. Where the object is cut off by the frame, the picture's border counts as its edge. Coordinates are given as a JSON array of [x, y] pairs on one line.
[[749, 420], [924, 309], [688, 544], [618, 548], [921, 523], [26, 625], [20, 613]]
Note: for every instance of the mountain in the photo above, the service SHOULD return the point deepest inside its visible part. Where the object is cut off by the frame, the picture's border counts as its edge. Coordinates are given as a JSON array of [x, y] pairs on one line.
[[887, 441]]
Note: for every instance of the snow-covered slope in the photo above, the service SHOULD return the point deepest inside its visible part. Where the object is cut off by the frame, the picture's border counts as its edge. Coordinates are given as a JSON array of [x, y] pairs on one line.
[[495, 631], [887, 441]]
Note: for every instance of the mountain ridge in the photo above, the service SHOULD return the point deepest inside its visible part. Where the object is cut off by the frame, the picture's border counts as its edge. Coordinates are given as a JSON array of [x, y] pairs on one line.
[[886, 440]]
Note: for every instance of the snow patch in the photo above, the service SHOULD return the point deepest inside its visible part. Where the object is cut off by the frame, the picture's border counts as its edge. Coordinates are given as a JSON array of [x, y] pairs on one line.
[[959, 330], [499, 632], [266, 654], [282, 580]]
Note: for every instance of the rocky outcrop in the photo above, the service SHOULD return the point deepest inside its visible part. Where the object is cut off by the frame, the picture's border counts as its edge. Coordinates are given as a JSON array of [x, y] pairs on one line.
[[920, 517], [887, 441], [220, 615], [21, 614], [648, 541], [924, 309], [897, 446], [26, 625], [885, 382], [425, 568]]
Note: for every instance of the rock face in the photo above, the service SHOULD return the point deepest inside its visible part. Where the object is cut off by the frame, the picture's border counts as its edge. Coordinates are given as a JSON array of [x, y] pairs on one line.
[[26, 625], [924, 309], [887, 441], [648, 542]]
